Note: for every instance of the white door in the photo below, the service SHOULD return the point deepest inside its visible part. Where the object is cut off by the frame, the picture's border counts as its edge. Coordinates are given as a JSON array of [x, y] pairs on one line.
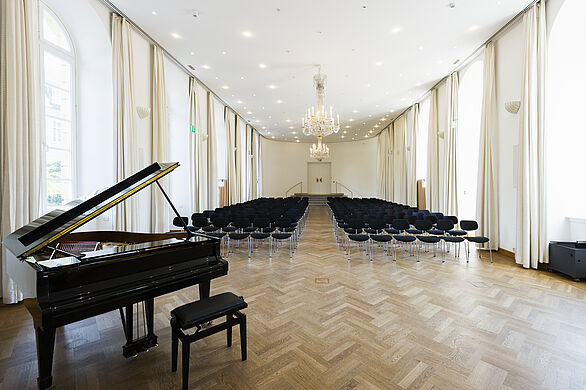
[[319, 177]]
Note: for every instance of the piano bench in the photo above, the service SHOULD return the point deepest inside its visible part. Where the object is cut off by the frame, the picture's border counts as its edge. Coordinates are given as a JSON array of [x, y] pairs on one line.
[[198, 313]]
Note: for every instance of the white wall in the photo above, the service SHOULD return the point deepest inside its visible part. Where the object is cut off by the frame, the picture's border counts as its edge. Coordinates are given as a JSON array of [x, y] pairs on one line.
[[353, 164]]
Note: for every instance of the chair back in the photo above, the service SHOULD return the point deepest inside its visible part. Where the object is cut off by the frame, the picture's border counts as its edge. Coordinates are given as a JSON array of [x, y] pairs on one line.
[[445, 224], [199, 222], [220, 222], [283, 223], [423, 224], [468, 225], [177, 221], [261, 222], [241, 222], [400, 224]]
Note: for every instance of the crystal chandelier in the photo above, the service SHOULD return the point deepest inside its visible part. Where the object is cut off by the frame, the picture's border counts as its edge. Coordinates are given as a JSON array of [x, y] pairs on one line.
[[319, 123], [320, 151]]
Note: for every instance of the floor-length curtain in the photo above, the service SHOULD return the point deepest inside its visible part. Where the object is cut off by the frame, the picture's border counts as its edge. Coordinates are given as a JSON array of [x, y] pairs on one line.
[[194, 149], [248, 161], [487, 201], [411, 155], [238, 148], [124, 120], [20, 135], [259, 164], [202, 143], [159, 141], [399, 175], [531, 247], [253, 192], [382, 163], [391, 166], [212, 155], [432, 184], [231, 191], [451, 135]]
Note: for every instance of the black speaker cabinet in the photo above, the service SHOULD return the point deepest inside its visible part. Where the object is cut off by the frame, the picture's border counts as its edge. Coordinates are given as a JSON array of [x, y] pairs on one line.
[[568, 258]]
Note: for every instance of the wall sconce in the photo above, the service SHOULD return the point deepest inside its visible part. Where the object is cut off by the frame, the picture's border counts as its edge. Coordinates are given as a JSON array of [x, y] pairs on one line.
[[143, 112], [513, 106]]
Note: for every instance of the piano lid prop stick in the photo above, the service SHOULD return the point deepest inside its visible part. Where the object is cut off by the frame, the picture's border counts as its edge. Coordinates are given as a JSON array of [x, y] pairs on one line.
[[174, 209]]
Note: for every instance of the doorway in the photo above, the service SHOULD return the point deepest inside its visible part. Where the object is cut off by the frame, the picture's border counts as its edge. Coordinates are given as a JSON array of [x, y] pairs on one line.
[[319, 177]]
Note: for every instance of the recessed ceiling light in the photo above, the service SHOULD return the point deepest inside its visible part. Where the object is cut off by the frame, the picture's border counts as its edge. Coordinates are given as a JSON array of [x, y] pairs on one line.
[[351, 120], [297, 141], [418, 84], [154, 12], [352, 139], [365, 135], [273, 137], [241, 77], [403, 99], [272, 86], [341, 136], [257, 121], [392, 110], [347, 126], [262, 66], [355, 133], [378, 63], [247, 34], [370, 116], [287, 120], [249, 112], [264, 127], [355, 111], [396, 30], [254, 94], [192, 53], [224, 52], [239, 101], [279, 101], [217, 77], [206, 66], [268, 132], [175, 35], [474, 27], [345, 132], [225, 87], [439, 62]]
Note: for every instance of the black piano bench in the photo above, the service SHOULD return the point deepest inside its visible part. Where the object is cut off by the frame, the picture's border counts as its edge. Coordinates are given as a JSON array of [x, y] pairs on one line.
[[196, 314]]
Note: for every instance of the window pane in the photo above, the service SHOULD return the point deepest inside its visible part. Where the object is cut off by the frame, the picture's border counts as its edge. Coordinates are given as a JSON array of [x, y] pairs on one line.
[[53, 32], [59, 192], [57, 71], [58, 164], [57, 133]]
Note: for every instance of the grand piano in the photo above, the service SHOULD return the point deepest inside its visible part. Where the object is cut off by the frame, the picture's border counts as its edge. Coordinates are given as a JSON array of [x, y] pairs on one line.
[[113, 270]]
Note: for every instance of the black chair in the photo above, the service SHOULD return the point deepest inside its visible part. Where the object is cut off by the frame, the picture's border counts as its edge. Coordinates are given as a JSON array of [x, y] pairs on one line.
[[379, 226], [424, 226], [199, 222], [401, 225], [198, 313], [470, 226], [239, 235], [282, 224], [355, 234], [260, 223], [181, 222], [455, 232], [447, 225], [220, 223]]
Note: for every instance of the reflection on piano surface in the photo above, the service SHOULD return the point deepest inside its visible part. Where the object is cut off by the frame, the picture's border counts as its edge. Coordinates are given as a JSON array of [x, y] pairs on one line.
[[69, 276]]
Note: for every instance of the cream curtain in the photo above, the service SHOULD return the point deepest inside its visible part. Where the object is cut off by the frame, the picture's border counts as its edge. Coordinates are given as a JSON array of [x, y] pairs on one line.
[[383, 163], [450, 168], [531, 247], [391, 166], [212, 163], [231, 191], [259, 164], [159, 141], [194, 149], [202, 143], [21, 166], [238, 158], [432, 184], [411, 155], [487, 201], [124, 120], [399, 174], [253, 189], [248, 162]]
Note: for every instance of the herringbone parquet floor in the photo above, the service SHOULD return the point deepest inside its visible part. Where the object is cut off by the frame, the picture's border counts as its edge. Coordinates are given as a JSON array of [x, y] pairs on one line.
[[319, 322]]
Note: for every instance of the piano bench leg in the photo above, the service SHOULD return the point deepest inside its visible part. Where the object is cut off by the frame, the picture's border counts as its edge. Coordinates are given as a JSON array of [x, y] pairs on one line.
[[229, 330], [243, 336], [174, 350], [185, 364]]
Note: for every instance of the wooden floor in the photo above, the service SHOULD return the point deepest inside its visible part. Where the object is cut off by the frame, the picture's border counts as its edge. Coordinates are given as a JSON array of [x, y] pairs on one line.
[[319, 321]]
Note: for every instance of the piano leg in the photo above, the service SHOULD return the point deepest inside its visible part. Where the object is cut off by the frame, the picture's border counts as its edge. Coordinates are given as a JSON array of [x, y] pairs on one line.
[[204, 289], [45, 347], [135, 346]]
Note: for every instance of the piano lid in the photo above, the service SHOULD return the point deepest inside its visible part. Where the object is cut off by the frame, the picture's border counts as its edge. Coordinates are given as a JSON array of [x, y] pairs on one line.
[[43, 231]]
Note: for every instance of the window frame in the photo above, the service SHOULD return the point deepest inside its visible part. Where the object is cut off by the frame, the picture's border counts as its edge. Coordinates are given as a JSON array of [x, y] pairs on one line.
[[69, 56]]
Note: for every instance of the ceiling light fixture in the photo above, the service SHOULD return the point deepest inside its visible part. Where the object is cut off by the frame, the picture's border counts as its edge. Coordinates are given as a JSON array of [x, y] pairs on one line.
[[396, 30], [272, 86], [225, 87], [320, 123], [319, 151], [154, 12], [206, 66], [262, 66], [247, 34], [279, 101], [175, 35]]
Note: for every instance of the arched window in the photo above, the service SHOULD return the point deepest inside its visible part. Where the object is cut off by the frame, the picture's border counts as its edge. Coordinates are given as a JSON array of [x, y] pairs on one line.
[[565, 131], [469, 116], [57, 60]]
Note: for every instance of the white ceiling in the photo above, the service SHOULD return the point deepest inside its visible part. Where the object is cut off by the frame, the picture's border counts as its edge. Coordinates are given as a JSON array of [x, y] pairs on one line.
[[380, 56]]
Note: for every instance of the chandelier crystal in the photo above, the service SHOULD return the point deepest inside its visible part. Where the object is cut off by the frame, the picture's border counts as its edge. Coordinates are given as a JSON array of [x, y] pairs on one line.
[[320, 151], [320, 123]]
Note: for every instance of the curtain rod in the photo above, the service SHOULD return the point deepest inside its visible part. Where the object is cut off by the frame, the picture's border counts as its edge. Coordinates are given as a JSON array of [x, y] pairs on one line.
[[468, 59], [113, 8]]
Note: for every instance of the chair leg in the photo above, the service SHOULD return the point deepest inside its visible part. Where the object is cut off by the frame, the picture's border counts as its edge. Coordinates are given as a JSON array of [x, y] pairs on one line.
[[416, 244], [229, 330], [270, 247], [490, 252], [185, 364], [243, 336], [248, 247], [174, 348]]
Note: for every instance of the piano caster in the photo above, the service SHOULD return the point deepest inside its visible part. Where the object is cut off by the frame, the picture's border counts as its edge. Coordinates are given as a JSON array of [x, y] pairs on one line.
[[135, 347]]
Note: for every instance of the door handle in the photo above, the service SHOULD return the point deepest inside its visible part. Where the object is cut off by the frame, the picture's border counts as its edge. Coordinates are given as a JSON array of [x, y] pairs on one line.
[[316, 180], [320, 179]]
